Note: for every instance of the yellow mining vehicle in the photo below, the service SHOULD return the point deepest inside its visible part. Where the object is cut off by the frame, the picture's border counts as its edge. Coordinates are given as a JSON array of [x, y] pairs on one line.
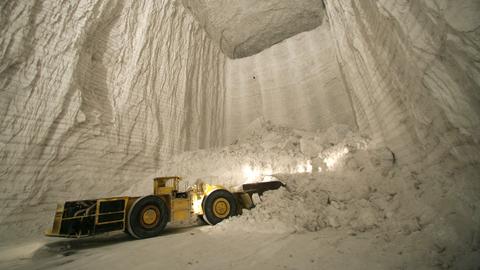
[[147, 216]]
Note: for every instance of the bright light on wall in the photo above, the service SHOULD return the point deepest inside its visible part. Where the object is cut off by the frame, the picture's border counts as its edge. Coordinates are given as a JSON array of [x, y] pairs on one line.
[[264, 173], [251, 174], [332, 159], [328, 160], [305, 167], [255, 174]]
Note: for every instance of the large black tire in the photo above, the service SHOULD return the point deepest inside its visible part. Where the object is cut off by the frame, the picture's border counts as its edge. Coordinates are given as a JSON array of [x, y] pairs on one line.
[[219, 205], [147, 217]]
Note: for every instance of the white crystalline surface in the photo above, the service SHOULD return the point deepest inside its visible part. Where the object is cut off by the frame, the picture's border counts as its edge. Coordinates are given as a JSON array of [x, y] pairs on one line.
[[364, 190], [364, 205], [93, 95], [99, 96]]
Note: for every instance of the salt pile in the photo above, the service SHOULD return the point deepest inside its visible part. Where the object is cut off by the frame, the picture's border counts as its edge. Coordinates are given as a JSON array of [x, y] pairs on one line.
[[342, 187], [336, 179]]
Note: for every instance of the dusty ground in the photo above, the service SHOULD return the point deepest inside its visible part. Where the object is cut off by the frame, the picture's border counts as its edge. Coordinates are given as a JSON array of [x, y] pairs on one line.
[[204, 247]]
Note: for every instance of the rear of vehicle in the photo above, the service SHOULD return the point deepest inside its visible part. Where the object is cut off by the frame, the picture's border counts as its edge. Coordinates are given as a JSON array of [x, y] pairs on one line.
[[88, 217]]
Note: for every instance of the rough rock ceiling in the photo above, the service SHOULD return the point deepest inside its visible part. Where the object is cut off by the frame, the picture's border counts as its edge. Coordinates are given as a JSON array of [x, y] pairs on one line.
[[244, 28]]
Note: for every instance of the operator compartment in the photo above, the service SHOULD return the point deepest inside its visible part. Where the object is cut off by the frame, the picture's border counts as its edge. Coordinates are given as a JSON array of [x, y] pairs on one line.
[[180, 203]]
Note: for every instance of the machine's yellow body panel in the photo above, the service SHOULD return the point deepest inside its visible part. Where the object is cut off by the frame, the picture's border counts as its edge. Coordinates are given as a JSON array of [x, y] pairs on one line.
[[57, 221], [181, 209], [99, 214]]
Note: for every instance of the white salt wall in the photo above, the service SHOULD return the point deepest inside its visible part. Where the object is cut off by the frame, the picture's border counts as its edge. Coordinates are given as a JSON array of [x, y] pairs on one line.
[[94, 94], [408, 70], [412, 70], [296, 83]]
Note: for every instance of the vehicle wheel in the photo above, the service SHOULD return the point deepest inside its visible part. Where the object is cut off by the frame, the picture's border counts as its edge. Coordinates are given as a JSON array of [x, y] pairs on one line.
[[219, 205], [147, 217]]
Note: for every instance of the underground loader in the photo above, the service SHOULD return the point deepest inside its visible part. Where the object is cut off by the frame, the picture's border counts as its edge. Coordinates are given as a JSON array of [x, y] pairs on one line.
[[147, 216]]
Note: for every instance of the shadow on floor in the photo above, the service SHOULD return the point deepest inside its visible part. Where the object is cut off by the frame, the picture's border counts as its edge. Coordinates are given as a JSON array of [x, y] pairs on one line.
[[67, 247]]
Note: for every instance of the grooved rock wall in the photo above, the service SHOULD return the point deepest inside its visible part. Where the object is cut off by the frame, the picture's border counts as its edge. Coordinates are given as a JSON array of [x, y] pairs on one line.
[[296, 83], [412, 68], [408, 70], [94, 94]]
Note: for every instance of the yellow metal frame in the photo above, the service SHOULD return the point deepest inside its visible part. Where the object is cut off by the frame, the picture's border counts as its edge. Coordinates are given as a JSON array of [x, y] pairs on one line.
[[57, 221], [97, 211], [161, 186], [181, 209], [166, 188]]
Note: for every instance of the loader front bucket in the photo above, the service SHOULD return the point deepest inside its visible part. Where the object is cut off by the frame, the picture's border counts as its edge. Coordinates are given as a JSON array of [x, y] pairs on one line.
[[244, 196], [261, 187]]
